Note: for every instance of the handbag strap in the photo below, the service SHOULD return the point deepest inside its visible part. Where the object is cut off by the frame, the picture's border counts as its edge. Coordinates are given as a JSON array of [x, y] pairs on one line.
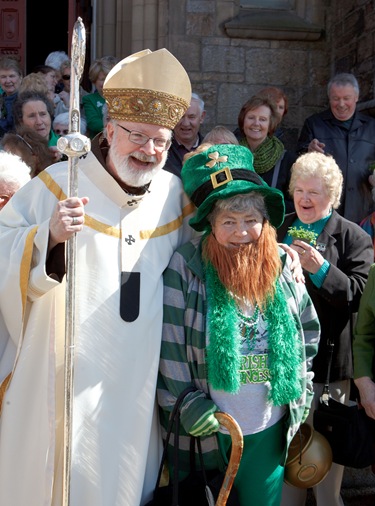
[[175, 458], [325, 393], [276, 170], [197, 440], [174, 420], [330, 345]]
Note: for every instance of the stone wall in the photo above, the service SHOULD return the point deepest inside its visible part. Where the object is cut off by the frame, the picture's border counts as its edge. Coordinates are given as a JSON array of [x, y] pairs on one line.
[[227, 70], [231, 53], [353, 28]]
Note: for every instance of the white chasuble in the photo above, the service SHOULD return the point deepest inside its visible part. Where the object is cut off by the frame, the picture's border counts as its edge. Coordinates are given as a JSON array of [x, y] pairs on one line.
[[115, 434]]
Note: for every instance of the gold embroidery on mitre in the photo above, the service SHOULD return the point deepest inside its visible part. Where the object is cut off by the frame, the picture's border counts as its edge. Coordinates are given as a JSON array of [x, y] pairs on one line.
[[145, 106]]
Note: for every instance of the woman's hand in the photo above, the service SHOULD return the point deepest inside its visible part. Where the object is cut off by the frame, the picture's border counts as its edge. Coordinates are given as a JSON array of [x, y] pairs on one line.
[[295, 266], [57, 155], [366, 388], [205, 426], [65, 97], [310, 258]]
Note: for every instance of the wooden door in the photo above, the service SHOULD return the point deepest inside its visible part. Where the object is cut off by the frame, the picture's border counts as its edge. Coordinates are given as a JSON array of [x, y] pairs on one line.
[[25, 33], [12, 29]]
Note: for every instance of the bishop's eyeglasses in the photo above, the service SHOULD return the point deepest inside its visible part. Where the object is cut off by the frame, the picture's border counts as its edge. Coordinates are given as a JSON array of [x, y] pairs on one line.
[[142, 139]]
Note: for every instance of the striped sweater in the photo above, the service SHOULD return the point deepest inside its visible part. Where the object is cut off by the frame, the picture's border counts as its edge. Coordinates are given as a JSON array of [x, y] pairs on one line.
[[183, 348]]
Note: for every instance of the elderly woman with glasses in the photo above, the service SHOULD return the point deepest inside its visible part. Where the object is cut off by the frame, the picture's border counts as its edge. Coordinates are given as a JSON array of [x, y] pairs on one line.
[[63, 106]]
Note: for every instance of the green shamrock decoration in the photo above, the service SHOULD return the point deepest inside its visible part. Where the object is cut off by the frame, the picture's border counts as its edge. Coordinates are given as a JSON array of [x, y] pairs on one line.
[[303, 235]]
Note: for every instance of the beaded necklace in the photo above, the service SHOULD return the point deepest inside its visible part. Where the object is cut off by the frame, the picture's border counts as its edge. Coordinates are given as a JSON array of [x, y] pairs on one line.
[[247, 325], [224, 349]]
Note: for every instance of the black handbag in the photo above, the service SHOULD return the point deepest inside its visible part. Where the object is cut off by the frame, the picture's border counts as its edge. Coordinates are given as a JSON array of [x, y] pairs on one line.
[[349, 431], [200, 487]]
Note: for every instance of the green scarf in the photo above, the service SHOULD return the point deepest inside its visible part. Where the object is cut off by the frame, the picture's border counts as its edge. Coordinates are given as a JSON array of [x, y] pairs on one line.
[[266, 154], [223, 351]]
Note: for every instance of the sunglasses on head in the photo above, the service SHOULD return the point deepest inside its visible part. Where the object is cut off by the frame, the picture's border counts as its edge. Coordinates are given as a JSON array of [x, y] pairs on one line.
[[66, 77]]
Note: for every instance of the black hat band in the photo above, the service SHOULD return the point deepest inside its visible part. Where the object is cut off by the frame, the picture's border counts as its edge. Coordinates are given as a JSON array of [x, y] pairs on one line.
[[221, 177]]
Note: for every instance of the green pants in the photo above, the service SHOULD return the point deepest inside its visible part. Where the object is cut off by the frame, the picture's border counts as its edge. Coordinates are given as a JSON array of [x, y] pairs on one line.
[[260, 476]]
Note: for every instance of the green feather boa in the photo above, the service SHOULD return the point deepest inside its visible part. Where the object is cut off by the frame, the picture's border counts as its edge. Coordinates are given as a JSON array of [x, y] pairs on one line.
[[223, 351]]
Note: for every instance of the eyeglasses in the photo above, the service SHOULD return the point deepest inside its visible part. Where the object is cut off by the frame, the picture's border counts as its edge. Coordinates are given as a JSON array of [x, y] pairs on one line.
[[142, 139], [66, 77], [61, 132], [27, 144]]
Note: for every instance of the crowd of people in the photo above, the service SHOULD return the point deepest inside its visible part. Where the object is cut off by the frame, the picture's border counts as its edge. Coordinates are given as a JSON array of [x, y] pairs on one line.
[[188, 275], [40, 101]]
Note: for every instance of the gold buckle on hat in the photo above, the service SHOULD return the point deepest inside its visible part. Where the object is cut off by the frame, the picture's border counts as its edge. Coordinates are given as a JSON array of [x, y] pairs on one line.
[[228, 177]]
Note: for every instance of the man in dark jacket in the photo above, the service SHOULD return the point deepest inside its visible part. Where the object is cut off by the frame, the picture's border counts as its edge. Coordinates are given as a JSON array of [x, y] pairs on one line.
[[186, 135], [349, 137]]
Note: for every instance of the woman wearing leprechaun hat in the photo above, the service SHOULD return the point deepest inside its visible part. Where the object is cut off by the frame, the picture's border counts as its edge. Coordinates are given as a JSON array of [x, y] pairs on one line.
[[237, 326]]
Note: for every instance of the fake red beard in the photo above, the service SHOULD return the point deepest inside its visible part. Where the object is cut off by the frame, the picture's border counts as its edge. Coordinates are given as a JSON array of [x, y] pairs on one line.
[[249, 271]]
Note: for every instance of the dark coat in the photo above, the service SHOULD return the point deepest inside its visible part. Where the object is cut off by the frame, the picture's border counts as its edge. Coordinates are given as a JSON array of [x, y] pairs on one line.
[[176, 153], [353, 150], [349, 250], [283, 179]]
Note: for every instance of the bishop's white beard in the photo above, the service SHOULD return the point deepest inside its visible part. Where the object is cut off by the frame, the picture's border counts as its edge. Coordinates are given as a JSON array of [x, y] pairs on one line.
[[133, 176]]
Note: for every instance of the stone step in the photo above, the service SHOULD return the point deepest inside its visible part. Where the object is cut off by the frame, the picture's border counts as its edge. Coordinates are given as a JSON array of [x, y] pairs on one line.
[[358, 488]]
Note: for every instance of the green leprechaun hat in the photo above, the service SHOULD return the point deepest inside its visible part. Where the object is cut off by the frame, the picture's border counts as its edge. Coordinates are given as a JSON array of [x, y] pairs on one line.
[[220, 172]]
